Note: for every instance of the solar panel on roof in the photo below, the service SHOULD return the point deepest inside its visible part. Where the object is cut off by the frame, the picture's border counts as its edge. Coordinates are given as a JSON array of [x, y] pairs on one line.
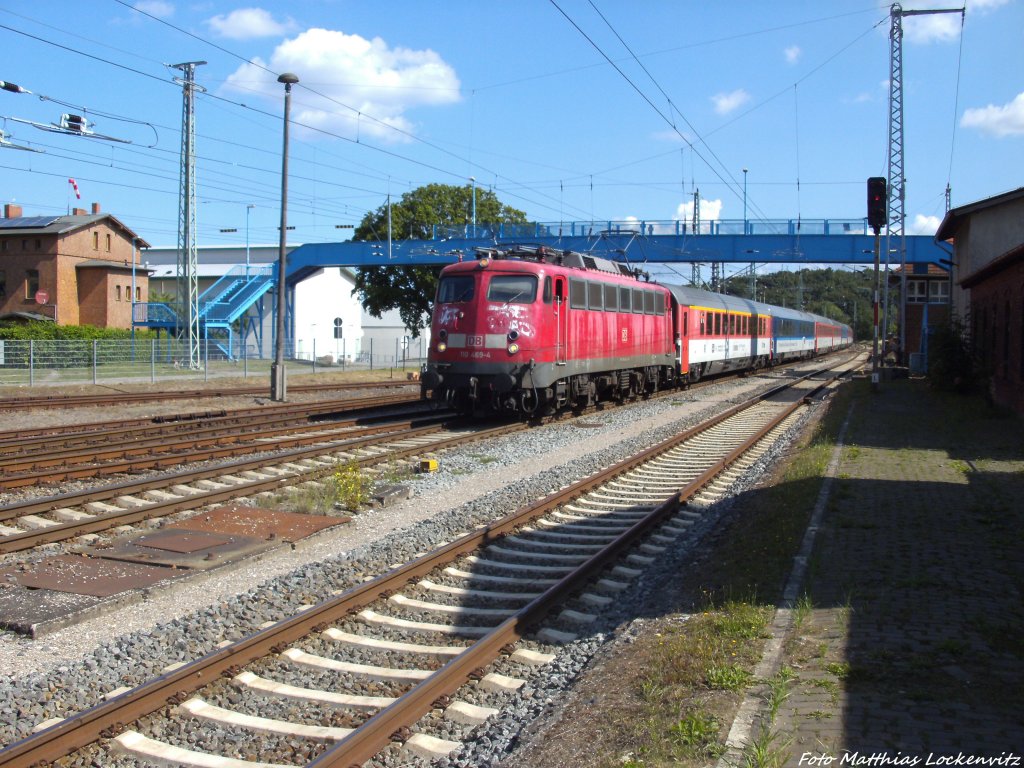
[[26, 222]]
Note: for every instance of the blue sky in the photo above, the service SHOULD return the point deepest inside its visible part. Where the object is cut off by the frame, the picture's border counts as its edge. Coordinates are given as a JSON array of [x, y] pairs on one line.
[[519, 95]]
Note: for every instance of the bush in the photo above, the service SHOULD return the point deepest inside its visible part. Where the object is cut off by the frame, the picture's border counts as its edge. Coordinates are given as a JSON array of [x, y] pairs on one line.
[[951, 366]]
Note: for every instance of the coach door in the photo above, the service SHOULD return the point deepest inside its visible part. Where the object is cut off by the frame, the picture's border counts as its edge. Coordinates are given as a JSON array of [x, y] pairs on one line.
[[560, 307]]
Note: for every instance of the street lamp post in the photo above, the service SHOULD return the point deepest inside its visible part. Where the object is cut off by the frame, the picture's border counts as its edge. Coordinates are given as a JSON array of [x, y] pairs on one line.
[[278, 379], [744, 201]]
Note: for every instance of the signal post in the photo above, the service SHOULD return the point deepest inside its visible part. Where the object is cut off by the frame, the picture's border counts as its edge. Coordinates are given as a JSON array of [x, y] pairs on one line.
[[877, 215]]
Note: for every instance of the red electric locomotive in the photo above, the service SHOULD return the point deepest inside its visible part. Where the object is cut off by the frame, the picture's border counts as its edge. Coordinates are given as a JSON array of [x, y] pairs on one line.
[[533, 330]]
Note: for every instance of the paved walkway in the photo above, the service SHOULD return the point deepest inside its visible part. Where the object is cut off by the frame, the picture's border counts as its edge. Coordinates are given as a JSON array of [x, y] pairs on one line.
[[906, 642]]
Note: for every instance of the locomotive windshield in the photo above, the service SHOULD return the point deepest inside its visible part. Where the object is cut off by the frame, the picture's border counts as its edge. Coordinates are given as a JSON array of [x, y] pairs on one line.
[[513, 289], [455, 289]]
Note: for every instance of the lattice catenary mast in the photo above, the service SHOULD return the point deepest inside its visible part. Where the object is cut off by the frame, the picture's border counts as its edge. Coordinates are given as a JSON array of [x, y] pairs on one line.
[[188, 254], [897, 179]]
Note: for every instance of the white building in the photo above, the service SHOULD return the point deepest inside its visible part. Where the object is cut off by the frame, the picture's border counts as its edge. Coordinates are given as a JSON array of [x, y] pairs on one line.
[[329, 320]]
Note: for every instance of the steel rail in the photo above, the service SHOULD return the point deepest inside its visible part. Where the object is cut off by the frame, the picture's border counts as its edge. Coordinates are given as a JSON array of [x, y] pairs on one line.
[[371, 736], [26, 438], [60, 532], [68, 401], [108, 718], [206, 445]]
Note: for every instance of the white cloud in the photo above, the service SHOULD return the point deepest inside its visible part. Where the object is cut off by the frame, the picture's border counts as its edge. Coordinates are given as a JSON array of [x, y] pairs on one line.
[[924, 225], [931, 29], [367, 75], [792, 54], [158, 8], [710, 210], [249, 23], [1007, 120], [727, 102]]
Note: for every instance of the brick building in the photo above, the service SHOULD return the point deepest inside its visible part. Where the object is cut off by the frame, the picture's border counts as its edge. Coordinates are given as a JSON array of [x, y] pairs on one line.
[[927, 308], [988, 274], [80, 266]]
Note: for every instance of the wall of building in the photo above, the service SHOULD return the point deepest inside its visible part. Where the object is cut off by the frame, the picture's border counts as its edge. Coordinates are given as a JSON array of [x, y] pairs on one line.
[[16, 261], [985, 235], [320, 299], [998, 333]]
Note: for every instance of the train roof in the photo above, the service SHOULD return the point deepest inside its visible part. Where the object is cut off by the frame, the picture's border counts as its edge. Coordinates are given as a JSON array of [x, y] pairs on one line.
[[698, 297], [588, 262]]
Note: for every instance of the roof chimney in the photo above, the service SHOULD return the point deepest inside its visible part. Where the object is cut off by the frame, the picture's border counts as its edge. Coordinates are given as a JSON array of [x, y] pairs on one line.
[[12, 211], [95, 208], [78, 211]]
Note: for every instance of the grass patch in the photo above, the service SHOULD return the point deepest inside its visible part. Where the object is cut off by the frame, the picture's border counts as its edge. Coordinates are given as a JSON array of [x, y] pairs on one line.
[[755, 553], [680, 708], [730, 677]]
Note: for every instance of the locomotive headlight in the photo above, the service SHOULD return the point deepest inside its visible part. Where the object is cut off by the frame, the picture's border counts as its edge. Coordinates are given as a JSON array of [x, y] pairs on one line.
[[442, 334], [513, 348], [513, 335], [441, 346], [483, 263]]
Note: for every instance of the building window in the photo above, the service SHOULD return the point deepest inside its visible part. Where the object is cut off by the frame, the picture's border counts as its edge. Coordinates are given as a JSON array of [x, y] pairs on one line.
[[108, 242], [917, 291], [31, 283], [938, 292], [95, 241], [138, 293], [3, 283], [117, 293], [39, 244]]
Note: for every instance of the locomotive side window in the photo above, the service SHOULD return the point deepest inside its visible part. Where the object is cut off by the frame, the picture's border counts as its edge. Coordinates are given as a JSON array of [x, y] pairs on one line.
[[638, 301], [595, 294], [649, 297], [455, 289], [625, 304], [577, 294], [512, 289], [547, 290], [611, 298]]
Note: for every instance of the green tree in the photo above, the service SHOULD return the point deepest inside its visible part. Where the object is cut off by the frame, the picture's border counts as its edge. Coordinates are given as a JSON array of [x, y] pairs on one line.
[[411, 290]]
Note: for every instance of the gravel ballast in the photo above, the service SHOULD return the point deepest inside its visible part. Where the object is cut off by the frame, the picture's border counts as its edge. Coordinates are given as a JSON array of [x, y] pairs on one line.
[[71, 669]]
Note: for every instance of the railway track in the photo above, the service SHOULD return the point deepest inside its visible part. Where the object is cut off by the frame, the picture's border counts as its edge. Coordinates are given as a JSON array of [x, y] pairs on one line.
[[34, 522], [113, 449], [121, 398], [488, 608]]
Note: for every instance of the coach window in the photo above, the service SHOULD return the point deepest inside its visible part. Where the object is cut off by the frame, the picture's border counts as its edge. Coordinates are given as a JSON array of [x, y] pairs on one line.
[[638, 301], [595, 295], [703, 329], [455, 289], [718, 324], [611, 298], [624, 299], [512, 289], [577, 294]]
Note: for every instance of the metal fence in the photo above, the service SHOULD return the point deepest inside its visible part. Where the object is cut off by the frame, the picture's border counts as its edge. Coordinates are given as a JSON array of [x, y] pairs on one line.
[[60, 361]]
